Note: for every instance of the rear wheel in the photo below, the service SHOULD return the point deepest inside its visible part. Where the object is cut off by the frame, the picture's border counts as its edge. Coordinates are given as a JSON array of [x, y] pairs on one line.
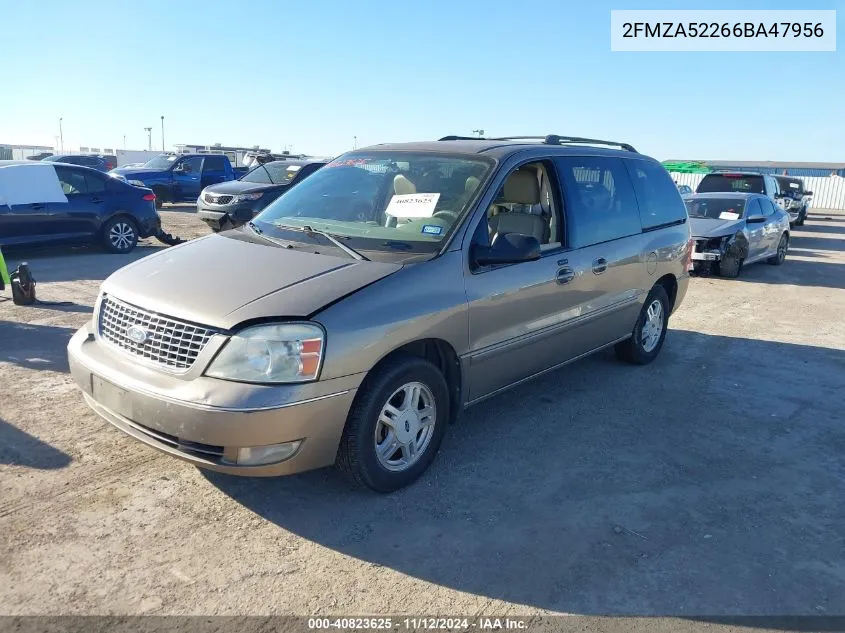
[[395, 426], [783, 246], [120, 235], [646, 340], [730, 267]]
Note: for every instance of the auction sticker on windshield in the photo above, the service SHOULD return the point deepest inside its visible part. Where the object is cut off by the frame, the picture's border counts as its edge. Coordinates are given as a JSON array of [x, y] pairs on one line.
[[412, 205], [727, 215]]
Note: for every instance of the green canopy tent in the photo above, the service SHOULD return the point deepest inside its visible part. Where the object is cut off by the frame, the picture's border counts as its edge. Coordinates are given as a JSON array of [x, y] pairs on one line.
[[686, 167]]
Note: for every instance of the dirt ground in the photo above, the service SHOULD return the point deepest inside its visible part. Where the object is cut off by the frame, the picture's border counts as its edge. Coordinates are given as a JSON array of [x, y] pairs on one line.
[[708, 483]]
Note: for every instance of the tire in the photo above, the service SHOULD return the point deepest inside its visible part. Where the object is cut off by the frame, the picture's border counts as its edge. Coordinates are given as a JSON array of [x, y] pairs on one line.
[[120, 235], [780, 256], [634, 350], [366, 426], [801, 218], [730, 267]]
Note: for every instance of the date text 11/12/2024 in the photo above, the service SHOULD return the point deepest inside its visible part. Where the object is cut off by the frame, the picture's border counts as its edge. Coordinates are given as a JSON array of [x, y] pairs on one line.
[[418, 623]]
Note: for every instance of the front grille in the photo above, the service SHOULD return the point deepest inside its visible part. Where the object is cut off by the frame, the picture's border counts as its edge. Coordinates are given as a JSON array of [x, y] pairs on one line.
[[218, 199], [168, 342]]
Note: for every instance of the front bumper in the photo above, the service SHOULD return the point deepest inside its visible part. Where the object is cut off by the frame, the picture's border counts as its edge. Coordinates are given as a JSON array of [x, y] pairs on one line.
[[707, 256], [206, 421], [224, 217]]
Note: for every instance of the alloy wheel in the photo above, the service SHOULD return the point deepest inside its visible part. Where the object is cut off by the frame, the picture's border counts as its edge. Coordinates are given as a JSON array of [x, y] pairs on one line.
[[121, 236], [653, 326], [405, 426]]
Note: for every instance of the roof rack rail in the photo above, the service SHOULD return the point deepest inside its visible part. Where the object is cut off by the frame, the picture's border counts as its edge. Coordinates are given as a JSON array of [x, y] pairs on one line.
[[462, 138], [555, 139], [549, 139]]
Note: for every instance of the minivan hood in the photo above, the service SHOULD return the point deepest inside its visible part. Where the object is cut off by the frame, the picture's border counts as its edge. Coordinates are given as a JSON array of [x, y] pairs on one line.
[[236, 186], [222, 280], [707, 227]]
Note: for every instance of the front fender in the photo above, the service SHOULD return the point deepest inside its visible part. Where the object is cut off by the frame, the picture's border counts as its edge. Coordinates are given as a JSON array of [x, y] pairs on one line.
[[736, 246]]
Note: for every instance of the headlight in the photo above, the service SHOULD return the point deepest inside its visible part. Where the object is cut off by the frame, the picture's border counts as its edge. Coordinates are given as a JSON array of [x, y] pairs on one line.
[[284, 352], [247, 196]]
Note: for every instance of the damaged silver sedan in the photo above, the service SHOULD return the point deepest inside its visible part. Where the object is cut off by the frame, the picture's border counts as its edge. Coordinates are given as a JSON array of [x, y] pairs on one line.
[[732, 230]]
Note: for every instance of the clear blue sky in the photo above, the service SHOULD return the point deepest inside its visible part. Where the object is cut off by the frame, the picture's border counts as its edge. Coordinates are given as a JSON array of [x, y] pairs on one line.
[[315, 73]]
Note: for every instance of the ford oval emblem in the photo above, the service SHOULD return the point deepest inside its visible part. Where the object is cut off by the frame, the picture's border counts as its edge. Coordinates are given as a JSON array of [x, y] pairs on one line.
[[137, 334]]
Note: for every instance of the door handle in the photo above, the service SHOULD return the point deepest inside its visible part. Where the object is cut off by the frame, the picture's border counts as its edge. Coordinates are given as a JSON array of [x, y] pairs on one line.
[[97, 200], [564, 275], [599, 265], [37, 206]]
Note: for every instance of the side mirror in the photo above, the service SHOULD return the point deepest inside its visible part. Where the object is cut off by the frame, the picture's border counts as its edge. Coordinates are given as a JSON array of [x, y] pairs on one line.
[[508, 248], [755, 219], [808, 193]]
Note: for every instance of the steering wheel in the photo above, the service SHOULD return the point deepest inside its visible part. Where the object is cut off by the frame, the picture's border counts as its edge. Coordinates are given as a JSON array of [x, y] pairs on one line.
[[446, 215]]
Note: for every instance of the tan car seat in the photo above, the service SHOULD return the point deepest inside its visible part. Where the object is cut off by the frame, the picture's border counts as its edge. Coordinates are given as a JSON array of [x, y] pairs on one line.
[[520, 188]]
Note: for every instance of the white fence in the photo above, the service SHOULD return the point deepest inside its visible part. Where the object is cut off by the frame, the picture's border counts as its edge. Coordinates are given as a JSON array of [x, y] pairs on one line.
[[828, 192]]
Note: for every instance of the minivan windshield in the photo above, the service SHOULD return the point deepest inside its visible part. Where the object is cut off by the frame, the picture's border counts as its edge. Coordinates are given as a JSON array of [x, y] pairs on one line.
[[380, 200], [716, 208], [161, 162], [744, 183], [275, 173]]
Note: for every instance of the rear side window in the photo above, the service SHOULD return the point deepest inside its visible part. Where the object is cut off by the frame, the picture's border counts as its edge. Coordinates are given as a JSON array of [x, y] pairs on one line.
[[732, 182], [95, 184], [600, 203], [214, 163], [660, 202]]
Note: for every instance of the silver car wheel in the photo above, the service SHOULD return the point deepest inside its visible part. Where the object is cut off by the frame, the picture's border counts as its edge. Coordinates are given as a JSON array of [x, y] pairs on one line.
[[653, 326], [121, 236], [405, 426]]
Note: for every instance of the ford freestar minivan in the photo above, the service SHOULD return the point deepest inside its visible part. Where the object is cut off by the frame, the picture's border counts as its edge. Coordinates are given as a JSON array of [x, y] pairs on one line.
[[353, 318]]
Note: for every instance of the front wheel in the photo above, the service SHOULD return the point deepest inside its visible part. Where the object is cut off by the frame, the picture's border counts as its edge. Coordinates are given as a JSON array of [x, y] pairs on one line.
[[120, 235], [730, 267], [645, 341], [778, 258], [395, 426]]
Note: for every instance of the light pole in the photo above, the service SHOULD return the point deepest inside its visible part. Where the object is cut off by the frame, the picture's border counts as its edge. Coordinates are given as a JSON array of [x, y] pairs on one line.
[[162, 132], [149, 132], [61, 136], [124, 141], [479, 132], [354, 142]]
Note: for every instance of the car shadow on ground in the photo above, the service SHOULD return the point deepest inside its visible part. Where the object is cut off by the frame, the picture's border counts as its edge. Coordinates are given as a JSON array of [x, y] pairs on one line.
[[35, 346], [724, 501], [824, 217], [796, 272], [22, 449], [797, 240], [818, 228]]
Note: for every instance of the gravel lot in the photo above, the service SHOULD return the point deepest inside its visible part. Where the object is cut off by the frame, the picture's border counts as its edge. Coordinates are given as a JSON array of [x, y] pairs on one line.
[[711, 482]]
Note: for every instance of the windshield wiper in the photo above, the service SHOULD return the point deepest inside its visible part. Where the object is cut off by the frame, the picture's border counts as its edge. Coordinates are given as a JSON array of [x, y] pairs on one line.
[[311, 232]]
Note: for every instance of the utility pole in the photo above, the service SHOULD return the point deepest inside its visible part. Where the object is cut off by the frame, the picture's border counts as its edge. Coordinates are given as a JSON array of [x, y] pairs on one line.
[[124, 141], [162, 132], [61, 136], [149, 132], [354, 142]]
